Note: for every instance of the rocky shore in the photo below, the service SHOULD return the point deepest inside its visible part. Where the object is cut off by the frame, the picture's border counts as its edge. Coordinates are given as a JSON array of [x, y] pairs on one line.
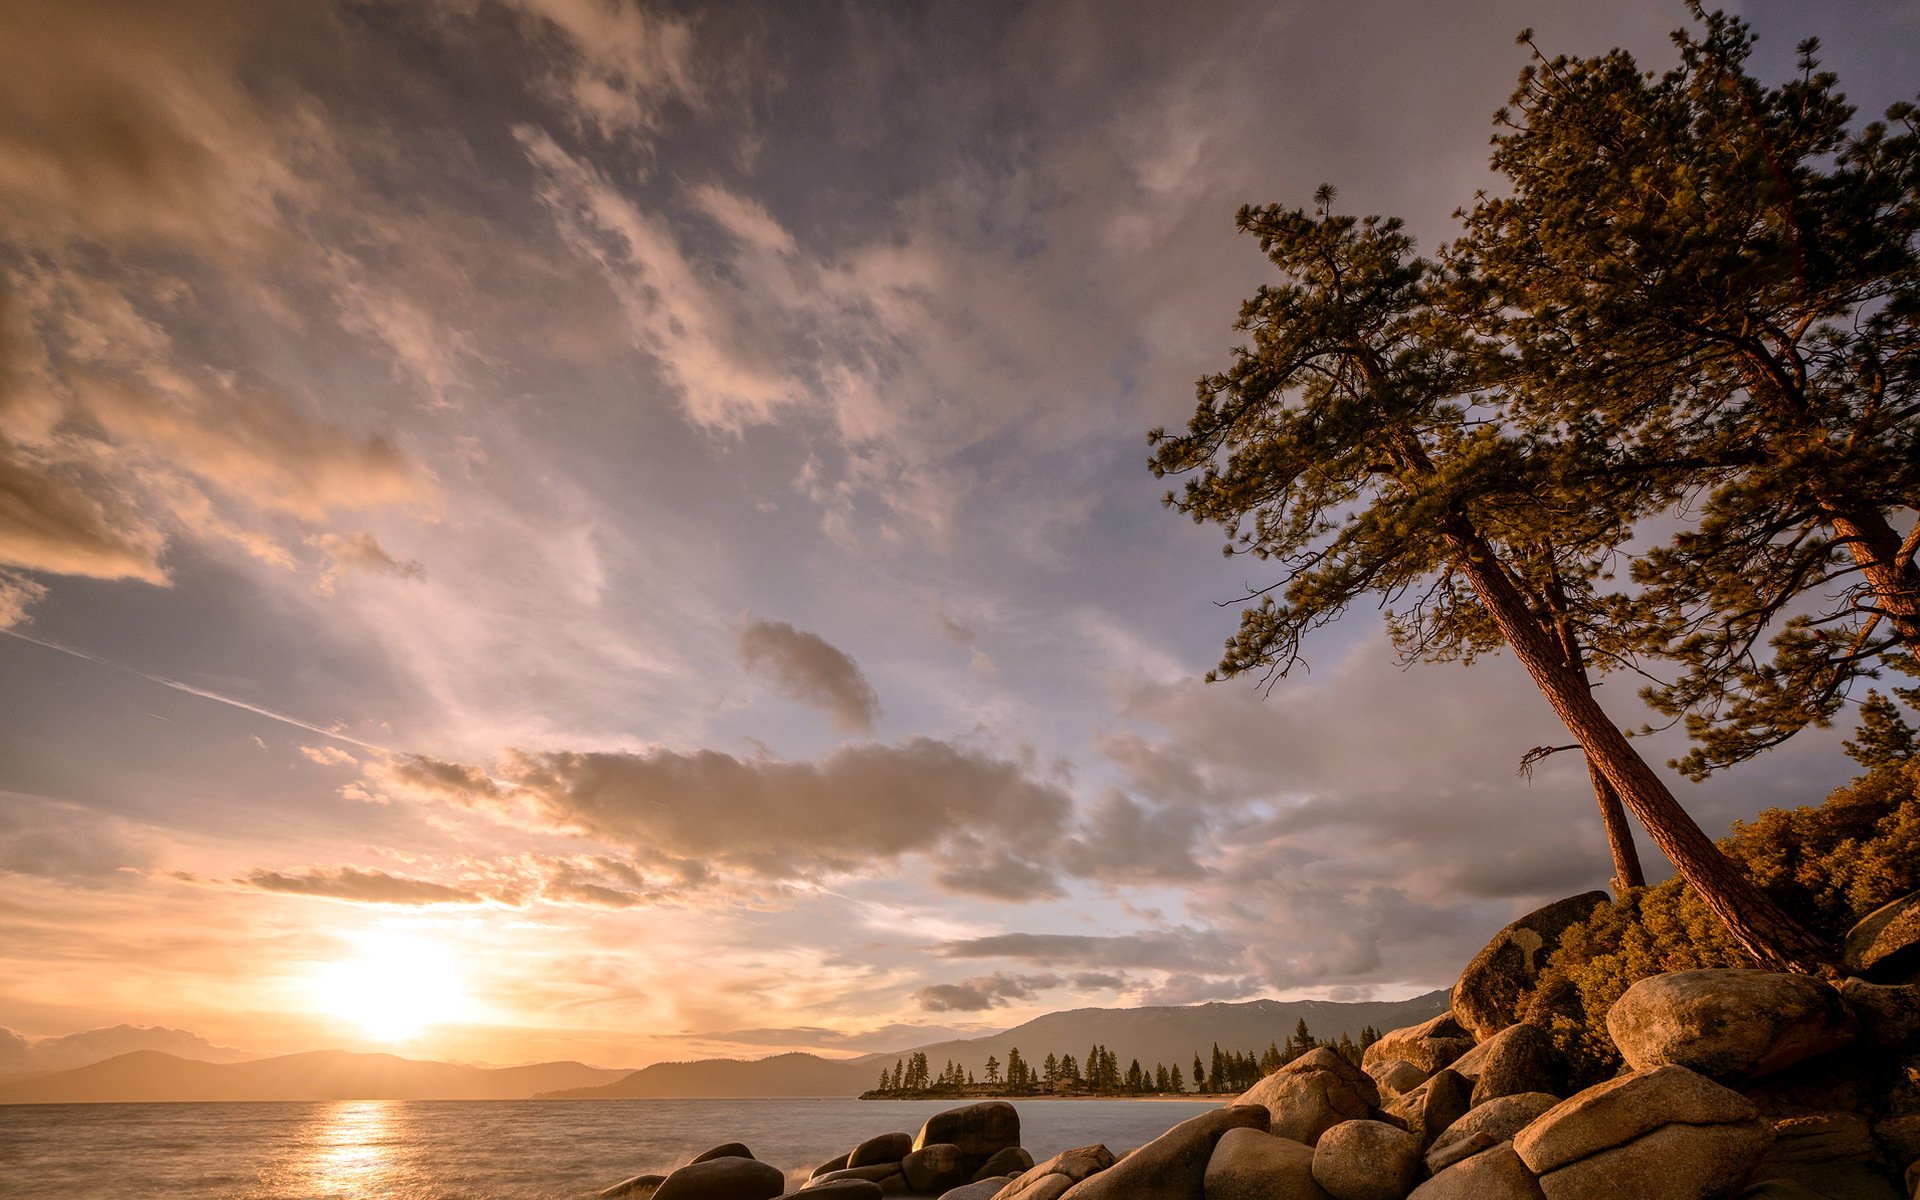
[[1737, 1083]]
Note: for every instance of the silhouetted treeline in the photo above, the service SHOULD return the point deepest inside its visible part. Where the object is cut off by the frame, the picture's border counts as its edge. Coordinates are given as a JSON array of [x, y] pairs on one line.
[[1099, 1073]]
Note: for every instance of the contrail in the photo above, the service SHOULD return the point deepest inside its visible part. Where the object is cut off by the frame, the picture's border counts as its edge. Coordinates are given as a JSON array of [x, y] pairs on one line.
[[203, 693]]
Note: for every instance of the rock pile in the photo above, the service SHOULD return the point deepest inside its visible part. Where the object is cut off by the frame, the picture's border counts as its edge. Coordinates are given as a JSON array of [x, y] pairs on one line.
[[1748, 1084]]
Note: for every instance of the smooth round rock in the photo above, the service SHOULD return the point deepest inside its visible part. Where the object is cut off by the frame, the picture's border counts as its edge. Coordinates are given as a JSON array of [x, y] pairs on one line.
[[1729, 1025], [979, 1189], [1366, 1160], [640, 1187], [1486, 1126], [1046, 1180], [723, 1179], [1011, 1161], [1430, 1045], [1493, 986], [884, 1148], [936, 1168], [724, 1150], [1397, 1076], [1250, 1165], [1429, 1109], [1173, 1165], [1312, 1094], [1885, 944], [1520, 1058], [979, 1130], [1624, 1108], [1493, 1174], [845, 1189]]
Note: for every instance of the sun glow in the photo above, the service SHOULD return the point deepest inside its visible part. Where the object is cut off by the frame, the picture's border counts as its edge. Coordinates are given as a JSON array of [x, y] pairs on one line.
[[396, 986]]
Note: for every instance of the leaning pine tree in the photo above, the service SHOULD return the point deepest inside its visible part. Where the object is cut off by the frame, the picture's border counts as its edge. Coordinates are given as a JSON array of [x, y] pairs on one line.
[[1359, 444]]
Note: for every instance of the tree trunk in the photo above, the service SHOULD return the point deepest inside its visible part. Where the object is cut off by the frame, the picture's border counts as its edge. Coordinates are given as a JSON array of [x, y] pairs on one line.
[[1626, 860], [1761, 927], [1875, 548]]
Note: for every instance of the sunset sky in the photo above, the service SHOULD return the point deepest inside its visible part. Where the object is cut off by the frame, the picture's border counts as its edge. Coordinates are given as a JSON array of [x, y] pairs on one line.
[[634, 521]]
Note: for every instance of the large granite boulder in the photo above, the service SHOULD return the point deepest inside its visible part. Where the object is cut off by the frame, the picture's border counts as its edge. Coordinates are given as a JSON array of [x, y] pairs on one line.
[[1520, 1058], [1889, 1013], [723, 1179], [1664, 1134], [881, 1148], [1433, 1106], [933, 1169], [979, 1189], [1005, 1164], [1729, 1025], [723, 1150], [1485, 1127], [1396, 1076], [1250, 1165], [1832, 1153], [1492, 1174], [1047, 1180], [640, 1187], [1429, 1045], [1172, 1166], [881, 1174], [1366, 1160], [979, 1130], [1885, 945], [1490, 992], [846, 1189], [832, 1164], [1312, 1094]]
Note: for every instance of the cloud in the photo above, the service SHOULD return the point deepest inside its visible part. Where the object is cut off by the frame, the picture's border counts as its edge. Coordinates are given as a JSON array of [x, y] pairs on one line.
[[983, 992], [17, 595], [618, 63], [360, 552], [1175, 949], [854, 812], [327, 756], [361, 887], [50, 522], [805, 667]]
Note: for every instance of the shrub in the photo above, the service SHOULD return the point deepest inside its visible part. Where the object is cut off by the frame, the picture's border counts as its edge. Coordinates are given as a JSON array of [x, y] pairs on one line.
[[1827, 864]]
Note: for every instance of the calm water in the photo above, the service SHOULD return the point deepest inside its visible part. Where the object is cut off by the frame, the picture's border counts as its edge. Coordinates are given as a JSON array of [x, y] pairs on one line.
[[479, 1150]]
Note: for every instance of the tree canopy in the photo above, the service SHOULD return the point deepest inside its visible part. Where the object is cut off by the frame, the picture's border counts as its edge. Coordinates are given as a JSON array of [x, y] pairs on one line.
[[1691, 308]]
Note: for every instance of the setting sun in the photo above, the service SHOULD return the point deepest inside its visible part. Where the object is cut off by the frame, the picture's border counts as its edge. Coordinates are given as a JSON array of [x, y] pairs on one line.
[[396, 986]]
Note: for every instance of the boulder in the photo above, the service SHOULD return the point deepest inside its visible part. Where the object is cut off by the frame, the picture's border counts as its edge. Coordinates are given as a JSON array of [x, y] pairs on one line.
[[1663, 1134], [1885, 945], [723, 1179], [1434, 1105], [1397, 1076], [1490, 992], [1899, 1137], [883, 1148], [1429, 1045], [1729, 1025], [640, 1187], [845, 1189], [1780, 1189], [1312, 1094], [1492, 1174], [1250, 1165], [1004, 1163], [1520, 1058], [1485, 1127], [1366, 1160], [979, 1189], [979, 1130], [832, 1164], [1065, 1169], [1889, 1013], [1831, 1153], [934, 1169], [877, 1173], [724, 1150], [1173, 1165]]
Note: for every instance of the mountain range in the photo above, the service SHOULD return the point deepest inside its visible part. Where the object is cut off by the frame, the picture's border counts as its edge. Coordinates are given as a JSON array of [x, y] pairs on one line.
[[1155, 1034]]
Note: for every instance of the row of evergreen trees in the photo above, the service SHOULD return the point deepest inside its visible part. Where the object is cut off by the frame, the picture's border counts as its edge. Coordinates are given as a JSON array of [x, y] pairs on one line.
[[1099, 1073]]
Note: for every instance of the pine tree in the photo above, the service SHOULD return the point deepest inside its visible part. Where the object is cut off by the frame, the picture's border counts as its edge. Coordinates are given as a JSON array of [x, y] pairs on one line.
[[1199, 1076]]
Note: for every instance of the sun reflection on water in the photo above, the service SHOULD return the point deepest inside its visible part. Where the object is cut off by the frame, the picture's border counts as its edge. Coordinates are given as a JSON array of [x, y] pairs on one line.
[[350, 1150]]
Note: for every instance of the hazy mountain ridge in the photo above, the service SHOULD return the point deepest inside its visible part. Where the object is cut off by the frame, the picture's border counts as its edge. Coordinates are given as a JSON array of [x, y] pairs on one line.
[[1169, 1034], [153, 1075]]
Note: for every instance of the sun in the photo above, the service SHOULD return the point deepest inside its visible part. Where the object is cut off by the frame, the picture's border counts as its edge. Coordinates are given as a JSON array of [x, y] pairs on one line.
[[394, 987]]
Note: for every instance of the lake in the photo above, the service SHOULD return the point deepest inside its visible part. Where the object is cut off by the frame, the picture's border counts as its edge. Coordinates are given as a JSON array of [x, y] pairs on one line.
[[473, 1150]]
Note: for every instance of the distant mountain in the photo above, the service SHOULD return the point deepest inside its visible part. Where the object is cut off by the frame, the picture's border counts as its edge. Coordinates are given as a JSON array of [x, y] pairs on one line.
[[1153, 1035], [1170, 1034], [793, 1074], [151, 1075], [20, 1054]]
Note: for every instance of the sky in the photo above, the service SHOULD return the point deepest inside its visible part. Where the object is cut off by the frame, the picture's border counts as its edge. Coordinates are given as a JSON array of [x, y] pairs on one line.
[[539, 529]]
